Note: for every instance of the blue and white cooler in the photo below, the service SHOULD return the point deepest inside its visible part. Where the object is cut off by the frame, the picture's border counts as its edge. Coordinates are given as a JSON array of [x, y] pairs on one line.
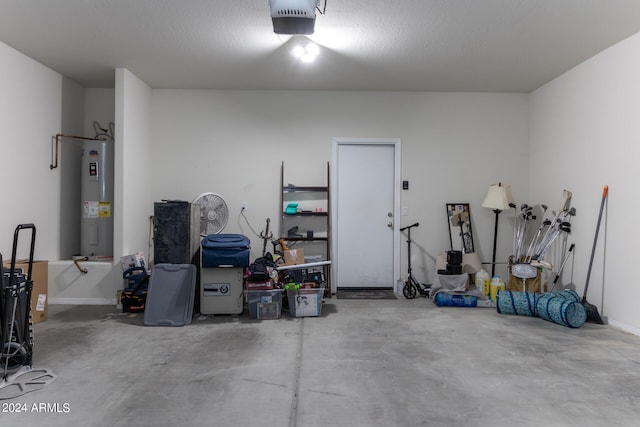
[[223, 259]]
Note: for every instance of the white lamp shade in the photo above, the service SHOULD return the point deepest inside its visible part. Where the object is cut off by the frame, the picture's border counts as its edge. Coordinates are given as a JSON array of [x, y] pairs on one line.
[[498, 197], [471, 263]]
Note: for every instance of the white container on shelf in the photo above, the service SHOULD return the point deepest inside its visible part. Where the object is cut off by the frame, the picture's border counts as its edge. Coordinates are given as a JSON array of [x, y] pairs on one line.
[[483, 282]]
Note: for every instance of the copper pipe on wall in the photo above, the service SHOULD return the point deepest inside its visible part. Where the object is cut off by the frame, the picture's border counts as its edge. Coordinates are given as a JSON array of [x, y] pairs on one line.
[[76, 261], [59, 136]]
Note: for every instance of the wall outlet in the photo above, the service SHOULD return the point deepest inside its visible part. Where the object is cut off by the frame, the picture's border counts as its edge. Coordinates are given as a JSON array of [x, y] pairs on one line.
[[244, 206]]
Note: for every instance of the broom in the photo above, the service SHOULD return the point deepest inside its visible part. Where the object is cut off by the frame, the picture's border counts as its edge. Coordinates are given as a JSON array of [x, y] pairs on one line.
[[592, 310]]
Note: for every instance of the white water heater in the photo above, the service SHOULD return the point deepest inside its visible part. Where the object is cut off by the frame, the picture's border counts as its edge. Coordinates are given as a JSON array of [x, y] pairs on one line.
[[96, 232]]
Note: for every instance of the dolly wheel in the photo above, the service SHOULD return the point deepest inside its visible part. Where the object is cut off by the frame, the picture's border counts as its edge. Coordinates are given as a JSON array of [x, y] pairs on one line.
[[15, 357], [409, 291]]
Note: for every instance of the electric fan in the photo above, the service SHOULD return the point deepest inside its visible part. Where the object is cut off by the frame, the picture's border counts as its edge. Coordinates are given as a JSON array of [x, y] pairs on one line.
[[213, 213]]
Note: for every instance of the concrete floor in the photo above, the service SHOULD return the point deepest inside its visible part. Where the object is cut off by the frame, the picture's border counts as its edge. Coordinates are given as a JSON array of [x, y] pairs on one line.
[[362, 363]]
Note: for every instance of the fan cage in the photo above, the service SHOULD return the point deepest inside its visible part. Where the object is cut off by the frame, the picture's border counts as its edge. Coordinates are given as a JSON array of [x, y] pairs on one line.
[[214, 213]]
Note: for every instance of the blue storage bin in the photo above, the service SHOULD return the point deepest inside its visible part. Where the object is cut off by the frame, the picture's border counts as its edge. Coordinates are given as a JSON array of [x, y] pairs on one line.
[[225, 250]]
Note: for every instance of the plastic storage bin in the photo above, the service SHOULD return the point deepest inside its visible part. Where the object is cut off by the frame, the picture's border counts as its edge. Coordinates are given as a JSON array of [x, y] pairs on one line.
[[171, 293], [305, 302], [265, 304]]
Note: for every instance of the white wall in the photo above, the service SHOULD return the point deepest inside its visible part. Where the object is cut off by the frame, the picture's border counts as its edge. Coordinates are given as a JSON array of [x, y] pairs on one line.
[[582, 129], [584, 135], [133, 200], [36, 104], [454, 145], [69, 161], [129, 104], [99, 106]]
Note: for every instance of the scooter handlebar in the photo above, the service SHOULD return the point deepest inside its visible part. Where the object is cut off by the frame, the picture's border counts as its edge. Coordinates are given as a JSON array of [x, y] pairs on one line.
[[410, 226]]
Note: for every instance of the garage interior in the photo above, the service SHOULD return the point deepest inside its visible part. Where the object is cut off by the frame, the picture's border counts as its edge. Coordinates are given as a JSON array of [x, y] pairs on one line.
[[201, 98]]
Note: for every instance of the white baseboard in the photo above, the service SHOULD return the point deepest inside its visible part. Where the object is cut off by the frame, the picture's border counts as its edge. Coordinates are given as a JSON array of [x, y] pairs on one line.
[[624, 327], [82, 301]]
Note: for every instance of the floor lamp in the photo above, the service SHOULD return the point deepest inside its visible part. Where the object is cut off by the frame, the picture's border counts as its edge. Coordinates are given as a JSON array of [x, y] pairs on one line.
[[498, 199]]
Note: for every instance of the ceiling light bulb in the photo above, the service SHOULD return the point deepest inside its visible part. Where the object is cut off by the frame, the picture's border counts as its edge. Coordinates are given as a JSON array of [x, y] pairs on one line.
[[312, 49], [308, 53], [298, 51]]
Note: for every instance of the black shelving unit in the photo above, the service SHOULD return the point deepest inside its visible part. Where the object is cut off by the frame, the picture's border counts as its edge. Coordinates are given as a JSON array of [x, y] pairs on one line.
[[307, 219]]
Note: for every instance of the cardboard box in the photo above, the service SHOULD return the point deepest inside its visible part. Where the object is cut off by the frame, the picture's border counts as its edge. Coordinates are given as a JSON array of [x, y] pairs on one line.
[[133, 260], [39, 293], [294, 256]]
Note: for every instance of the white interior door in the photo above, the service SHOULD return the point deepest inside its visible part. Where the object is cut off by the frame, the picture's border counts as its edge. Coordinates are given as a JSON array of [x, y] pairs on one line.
[[365, 208]]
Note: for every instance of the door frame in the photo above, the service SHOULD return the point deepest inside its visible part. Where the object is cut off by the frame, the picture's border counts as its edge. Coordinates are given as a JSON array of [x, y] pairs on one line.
[[396, 143]]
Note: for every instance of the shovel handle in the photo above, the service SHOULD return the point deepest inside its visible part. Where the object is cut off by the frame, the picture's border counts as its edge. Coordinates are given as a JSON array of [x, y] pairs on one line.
[[605, 191]]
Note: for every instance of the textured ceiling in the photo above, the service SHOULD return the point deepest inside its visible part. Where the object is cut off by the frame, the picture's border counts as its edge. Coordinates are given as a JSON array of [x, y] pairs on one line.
[[412, 45]]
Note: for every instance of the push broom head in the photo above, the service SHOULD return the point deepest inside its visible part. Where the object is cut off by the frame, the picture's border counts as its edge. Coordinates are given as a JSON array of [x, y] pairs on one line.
[[592, 313]]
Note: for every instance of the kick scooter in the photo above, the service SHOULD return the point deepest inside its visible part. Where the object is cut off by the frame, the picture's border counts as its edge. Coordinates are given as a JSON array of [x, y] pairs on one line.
[[411, 286]]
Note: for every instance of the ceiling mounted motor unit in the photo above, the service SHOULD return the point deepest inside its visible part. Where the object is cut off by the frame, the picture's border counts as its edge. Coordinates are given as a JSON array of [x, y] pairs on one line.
[[293, 16]]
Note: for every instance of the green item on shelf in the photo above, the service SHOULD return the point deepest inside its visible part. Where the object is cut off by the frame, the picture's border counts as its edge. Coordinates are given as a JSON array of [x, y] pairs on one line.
[[291, 209], [291, 286]]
